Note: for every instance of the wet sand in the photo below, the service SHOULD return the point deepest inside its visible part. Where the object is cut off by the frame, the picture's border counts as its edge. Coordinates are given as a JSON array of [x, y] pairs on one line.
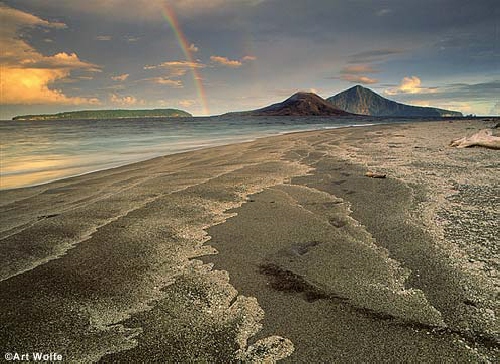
[[279, 248]]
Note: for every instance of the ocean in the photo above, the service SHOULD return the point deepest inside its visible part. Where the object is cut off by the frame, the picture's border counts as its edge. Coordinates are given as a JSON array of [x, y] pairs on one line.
[[38, 152]]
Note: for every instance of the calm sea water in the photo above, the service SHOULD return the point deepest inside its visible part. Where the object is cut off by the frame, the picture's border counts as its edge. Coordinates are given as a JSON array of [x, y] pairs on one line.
[[37, 152]]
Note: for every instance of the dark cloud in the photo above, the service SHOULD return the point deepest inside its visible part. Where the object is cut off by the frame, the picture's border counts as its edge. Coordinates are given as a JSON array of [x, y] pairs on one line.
[[373, 55], [297, 44], [484, 90], [492, 86]]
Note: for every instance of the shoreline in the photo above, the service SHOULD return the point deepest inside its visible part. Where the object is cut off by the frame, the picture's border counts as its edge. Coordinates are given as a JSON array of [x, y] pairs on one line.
[[315, 260], [213, 146], [180, 152]]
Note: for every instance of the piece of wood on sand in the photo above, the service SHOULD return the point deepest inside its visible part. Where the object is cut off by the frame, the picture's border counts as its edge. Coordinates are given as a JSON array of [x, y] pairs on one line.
[[375, 174], [483, 138]]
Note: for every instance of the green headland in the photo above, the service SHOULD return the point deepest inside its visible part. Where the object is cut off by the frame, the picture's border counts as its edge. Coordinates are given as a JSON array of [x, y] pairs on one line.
[[107, 114]]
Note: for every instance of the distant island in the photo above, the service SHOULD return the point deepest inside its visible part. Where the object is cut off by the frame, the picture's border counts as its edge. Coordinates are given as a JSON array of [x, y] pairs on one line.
[[357, 100], [107, 114], [363, 101], [299, 104]]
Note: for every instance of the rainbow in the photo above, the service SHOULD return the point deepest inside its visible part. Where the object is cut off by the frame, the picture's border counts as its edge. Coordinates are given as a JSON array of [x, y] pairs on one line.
[[171, 18]]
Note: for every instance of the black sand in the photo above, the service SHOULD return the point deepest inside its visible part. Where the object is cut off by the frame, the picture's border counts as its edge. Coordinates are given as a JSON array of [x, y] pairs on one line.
[[316, 262]]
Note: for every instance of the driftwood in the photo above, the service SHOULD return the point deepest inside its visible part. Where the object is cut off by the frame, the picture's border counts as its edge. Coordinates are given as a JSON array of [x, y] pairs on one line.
[[483, 138], [375, 174]]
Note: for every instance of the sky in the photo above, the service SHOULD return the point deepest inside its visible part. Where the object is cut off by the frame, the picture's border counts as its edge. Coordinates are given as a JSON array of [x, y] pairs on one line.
[[209, 57]]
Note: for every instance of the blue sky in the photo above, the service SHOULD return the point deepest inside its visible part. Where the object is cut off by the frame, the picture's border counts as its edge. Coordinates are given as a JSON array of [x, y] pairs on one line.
[[94, 54]]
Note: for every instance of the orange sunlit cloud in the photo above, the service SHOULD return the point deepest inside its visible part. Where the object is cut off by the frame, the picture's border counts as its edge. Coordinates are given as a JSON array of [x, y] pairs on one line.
[[224, 61], [176, 64], [30, 86], [358, 69], [410, 85], [26, 73], [249, 58], [60, 60], [122, 77], [357, 74], [359, 79]]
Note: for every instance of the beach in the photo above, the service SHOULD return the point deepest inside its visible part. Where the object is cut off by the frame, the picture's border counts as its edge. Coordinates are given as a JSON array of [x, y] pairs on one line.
[[278, 248]]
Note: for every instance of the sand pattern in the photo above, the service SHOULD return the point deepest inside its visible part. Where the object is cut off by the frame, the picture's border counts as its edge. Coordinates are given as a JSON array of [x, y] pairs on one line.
[[281, 248]]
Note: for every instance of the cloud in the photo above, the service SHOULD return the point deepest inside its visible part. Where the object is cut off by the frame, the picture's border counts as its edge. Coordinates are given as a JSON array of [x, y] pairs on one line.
[[357, 74], [477, 89], [359, 79], [204, 5], [13, 19], [478, 92], [287, 92], [192, 48], [177, 72], [176, 64], [249, 58], [26, 73], [131, 38], [60, 60], [30, 86], [383, 12], [224, 61], [146, 10], [104, 38], [75, 79], [165, 81], [467, 98], [122, 77], [115, 87], [374, 55], [359, 69], [125, 100], [174, 69], [410, 85]]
